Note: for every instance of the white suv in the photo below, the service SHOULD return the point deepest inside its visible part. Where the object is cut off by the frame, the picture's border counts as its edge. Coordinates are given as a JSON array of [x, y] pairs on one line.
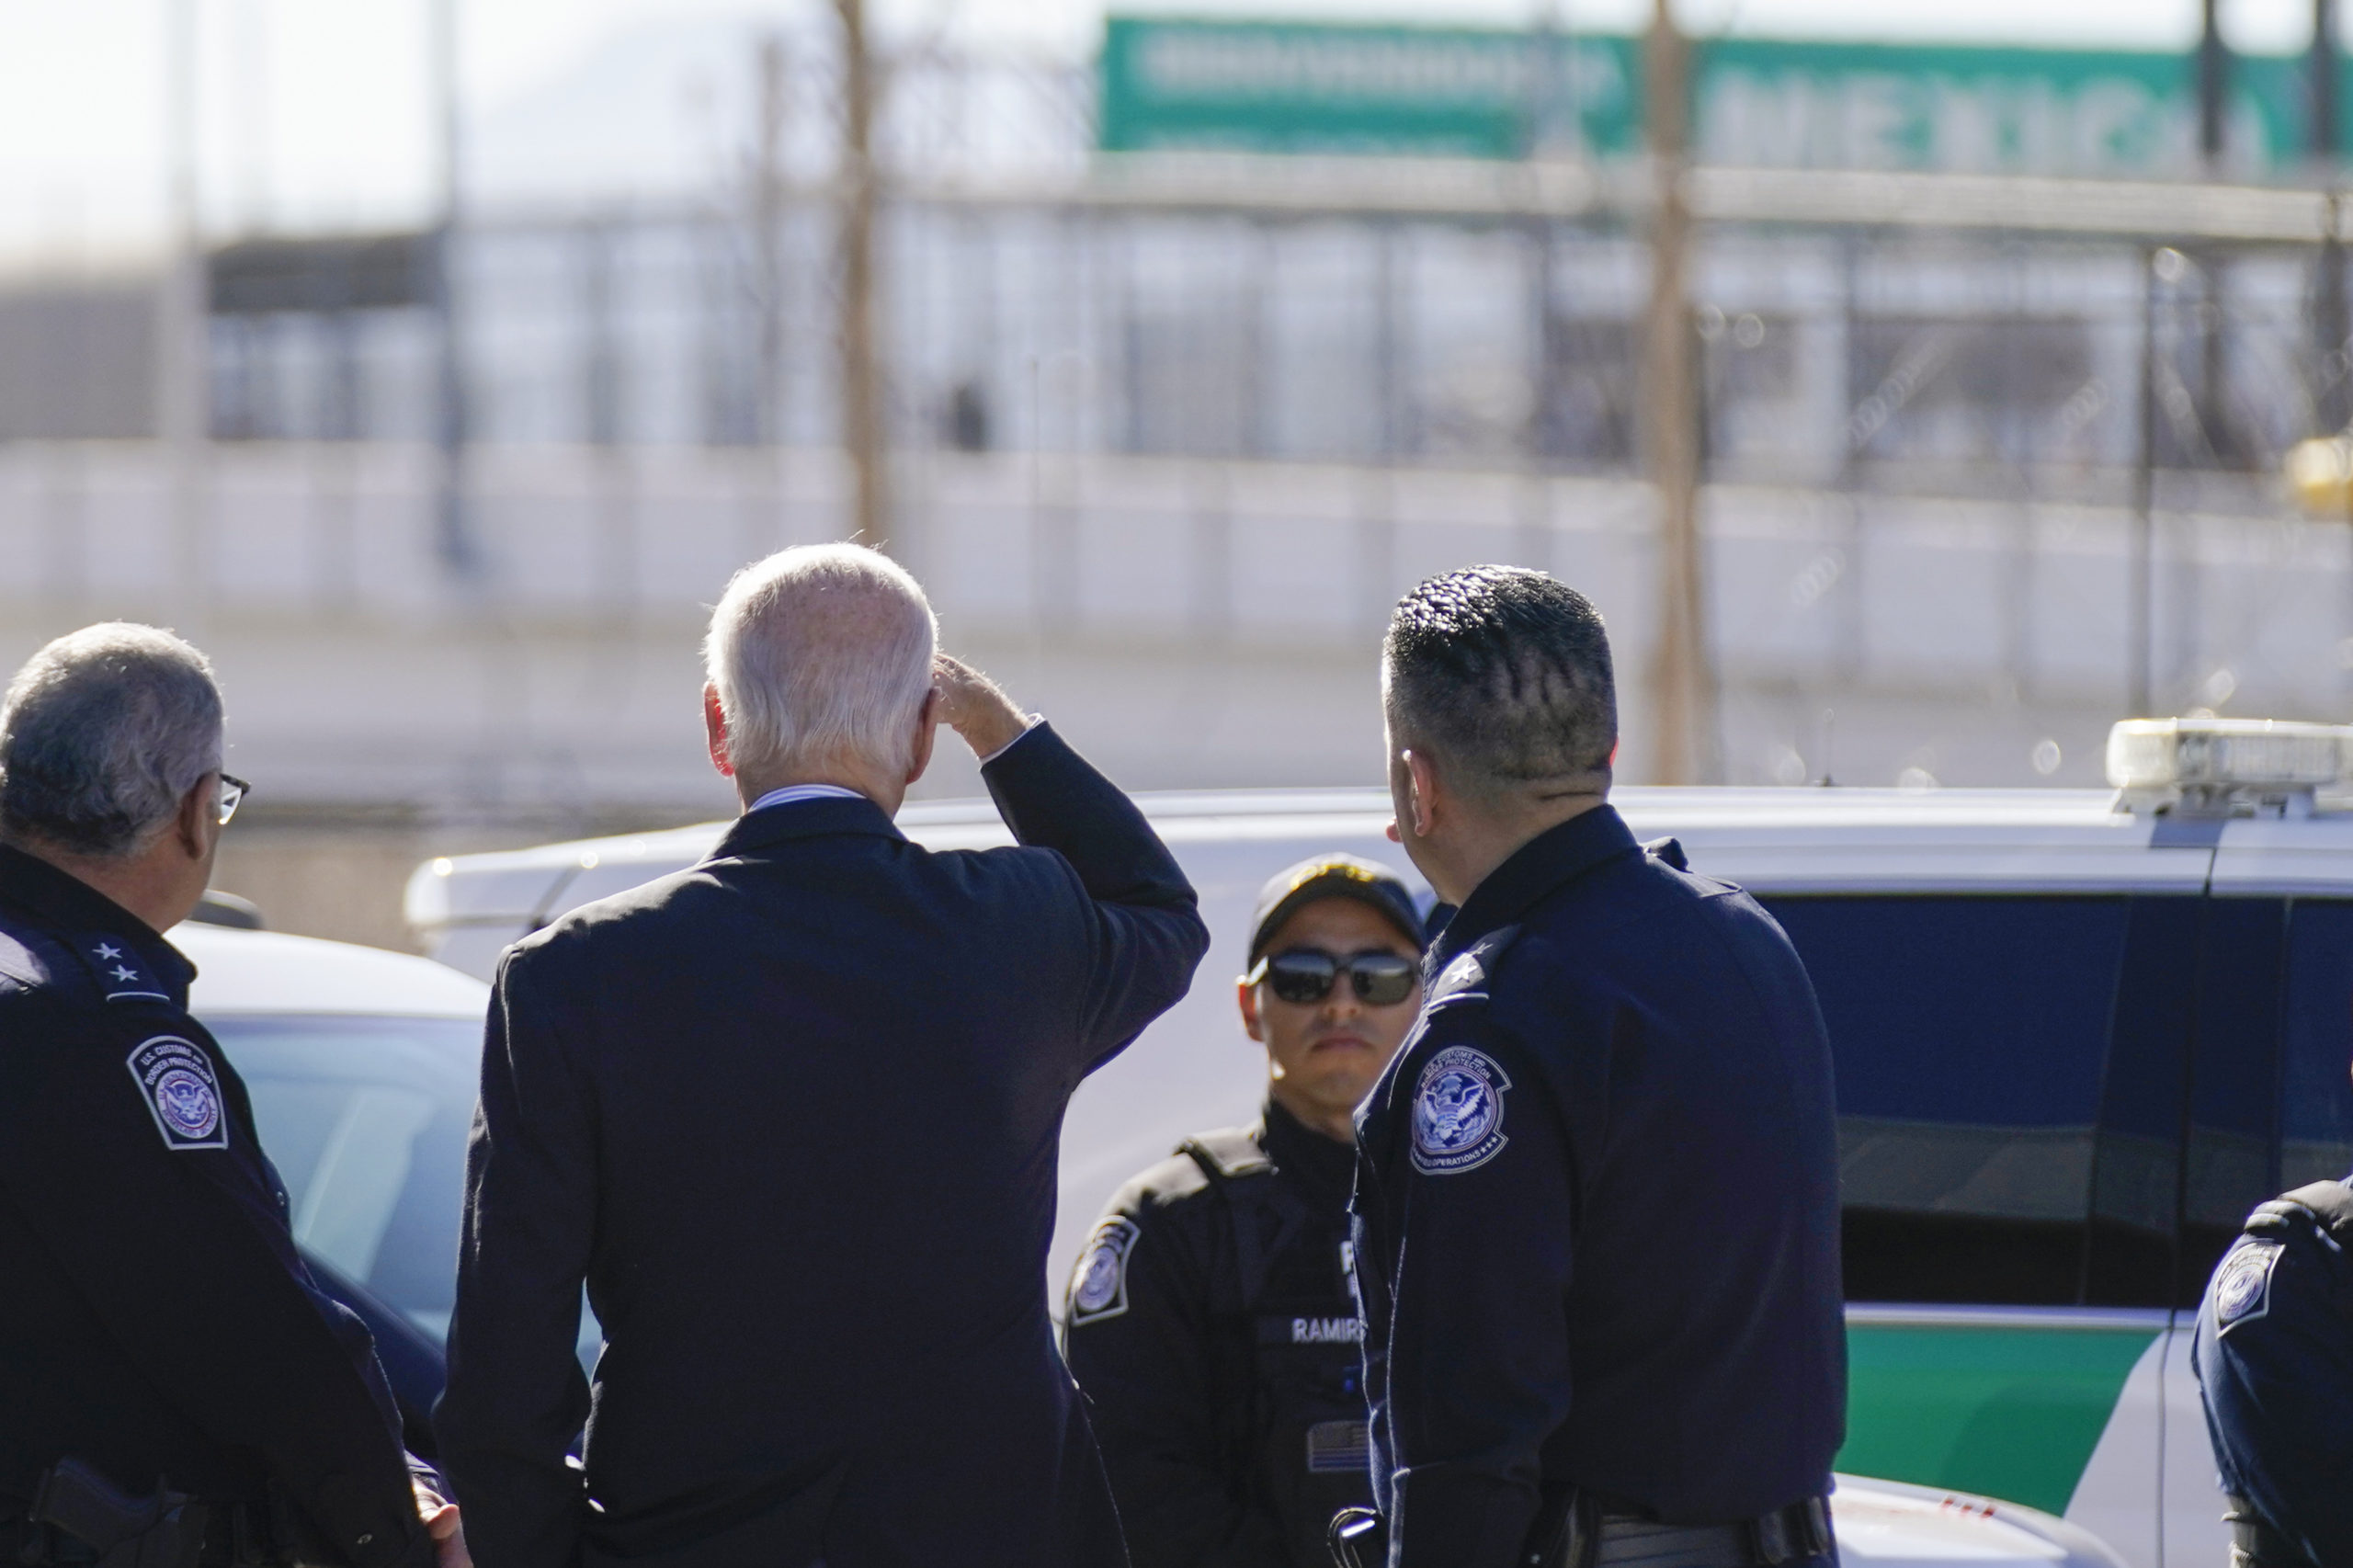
[[363, 1066], [2078, 1036]]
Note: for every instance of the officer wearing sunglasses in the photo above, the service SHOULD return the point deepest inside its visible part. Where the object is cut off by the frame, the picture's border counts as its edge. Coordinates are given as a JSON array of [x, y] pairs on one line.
[[1209, 1320]]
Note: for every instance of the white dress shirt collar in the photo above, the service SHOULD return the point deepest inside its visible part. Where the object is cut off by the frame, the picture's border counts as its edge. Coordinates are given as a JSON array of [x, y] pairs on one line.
[[790, 793], [793, 792]]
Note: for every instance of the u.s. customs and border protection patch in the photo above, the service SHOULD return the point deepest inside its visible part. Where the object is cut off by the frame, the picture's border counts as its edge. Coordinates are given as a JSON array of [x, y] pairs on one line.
[[2243, 1290], [1459, 1111], [1098, 1286], [182, 1093]]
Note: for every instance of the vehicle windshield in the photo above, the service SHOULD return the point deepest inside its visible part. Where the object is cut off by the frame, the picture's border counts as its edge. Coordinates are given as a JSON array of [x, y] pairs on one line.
[[366, 1120]]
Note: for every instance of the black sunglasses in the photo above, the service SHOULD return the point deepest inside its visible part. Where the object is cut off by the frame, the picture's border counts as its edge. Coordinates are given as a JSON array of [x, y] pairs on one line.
[[1306, 974], [233, 792]]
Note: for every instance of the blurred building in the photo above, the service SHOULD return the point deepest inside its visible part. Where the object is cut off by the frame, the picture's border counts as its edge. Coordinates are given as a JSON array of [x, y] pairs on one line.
[[1193, 363]]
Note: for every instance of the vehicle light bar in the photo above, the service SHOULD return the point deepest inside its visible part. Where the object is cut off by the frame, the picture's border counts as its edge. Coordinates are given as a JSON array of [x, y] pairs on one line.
[[2214, 762]]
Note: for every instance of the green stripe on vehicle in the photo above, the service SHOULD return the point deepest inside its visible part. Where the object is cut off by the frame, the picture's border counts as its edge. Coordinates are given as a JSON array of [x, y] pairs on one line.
[[2012, 1411]]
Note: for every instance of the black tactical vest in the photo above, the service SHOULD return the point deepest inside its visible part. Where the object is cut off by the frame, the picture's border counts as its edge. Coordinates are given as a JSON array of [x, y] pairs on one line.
[[1301, 1441]]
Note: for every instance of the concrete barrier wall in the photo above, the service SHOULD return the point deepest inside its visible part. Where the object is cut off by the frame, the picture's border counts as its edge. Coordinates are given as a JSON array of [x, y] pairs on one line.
[[1193, 624]]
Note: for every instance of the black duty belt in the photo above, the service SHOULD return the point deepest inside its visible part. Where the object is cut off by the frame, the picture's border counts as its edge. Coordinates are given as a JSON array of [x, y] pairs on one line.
[[235, 1535], [1798, 1533], [1628, 1542], [76, 1519], [1580, 1533], [2255, 1544]]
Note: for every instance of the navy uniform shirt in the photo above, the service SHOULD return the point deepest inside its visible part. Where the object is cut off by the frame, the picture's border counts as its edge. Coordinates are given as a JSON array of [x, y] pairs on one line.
[[1596, 1210], [1210, 1326], [156, 1322], [2274, 1357]]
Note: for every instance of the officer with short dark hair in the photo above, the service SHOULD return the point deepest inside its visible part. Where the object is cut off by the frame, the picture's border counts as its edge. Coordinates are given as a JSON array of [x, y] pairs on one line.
[[1596, 1204], [2274, 1359], [175, 1387], [1210, 1321]]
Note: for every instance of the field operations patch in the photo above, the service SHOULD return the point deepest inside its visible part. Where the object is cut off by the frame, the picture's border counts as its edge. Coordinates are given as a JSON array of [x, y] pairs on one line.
[[1098, 1286], [1458, 1112], [176, 1080], [2243, 1290]]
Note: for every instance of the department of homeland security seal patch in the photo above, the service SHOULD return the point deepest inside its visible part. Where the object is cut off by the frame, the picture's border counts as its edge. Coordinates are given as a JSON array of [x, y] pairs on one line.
[[1098, 1288], [176, 1080], [2242, 1292], [1459, 1111]]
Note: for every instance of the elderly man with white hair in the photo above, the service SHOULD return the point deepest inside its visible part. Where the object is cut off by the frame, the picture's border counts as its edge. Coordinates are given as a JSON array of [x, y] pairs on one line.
[[792, 1116], [175, 1383]]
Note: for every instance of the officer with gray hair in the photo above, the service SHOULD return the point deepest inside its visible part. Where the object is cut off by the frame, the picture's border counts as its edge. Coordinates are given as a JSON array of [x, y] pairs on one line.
[[1597, 1200], [793, 1117], [175, 1384]]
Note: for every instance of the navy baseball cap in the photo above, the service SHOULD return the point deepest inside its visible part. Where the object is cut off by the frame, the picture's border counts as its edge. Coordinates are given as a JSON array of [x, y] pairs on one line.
[[1334, 876]]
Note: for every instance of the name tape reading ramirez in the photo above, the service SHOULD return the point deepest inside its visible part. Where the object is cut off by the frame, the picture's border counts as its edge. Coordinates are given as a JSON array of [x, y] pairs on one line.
[[1326, 1331]]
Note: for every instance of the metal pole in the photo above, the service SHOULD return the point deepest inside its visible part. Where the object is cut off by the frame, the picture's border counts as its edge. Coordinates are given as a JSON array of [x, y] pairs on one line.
[[604, 407], [453, 535], [2213, 131], [1683, 686], [1533, 546], [768, 219], [2138, 608], [2319, 83], [2332, 394], [1389, 423], [183, 326], [862, 415], [2213, 90]]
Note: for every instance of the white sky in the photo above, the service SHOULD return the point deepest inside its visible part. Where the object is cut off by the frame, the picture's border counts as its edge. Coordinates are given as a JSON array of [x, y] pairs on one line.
[[315, 111]]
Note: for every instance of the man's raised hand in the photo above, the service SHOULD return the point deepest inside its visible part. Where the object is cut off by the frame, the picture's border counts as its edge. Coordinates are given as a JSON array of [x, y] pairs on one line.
[[975, 707]]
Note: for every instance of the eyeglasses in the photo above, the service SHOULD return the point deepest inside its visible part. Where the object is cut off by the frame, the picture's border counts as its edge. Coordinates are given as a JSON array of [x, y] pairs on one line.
[[1302, 976], [233, 792]]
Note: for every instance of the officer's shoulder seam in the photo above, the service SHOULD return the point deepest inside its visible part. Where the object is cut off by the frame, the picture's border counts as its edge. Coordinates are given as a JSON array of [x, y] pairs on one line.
[[2328, 1204], [1536, 949], [23, 963], [1466, 979], [1230, 1152], [1667, 854], [1174, 1183]]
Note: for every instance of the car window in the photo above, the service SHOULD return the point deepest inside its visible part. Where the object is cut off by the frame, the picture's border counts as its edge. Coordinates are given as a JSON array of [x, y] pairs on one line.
[[2315, 1087], [2232, 1163], [366, 1120], [1970, 1038]]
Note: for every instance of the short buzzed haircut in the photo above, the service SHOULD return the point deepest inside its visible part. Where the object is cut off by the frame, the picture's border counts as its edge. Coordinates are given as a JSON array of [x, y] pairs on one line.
[[102, 734], [821, 654], [1505, 673]]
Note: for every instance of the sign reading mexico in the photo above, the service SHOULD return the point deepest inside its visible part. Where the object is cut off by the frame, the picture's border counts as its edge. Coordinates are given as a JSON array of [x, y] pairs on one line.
[[1211, 84]]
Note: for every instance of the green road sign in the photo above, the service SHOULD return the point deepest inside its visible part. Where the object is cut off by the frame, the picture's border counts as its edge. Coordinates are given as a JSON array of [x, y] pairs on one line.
[[1468, 92]]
